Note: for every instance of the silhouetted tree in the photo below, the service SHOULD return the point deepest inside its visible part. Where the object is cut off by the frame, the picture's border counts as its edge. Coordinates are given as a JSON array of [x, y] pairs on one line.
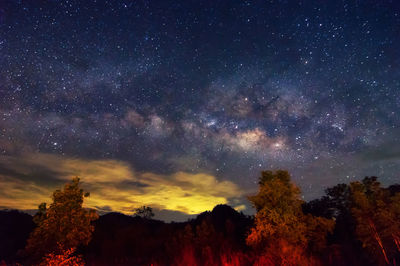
[[377, 215], [183, 251], [145, 212], [336, 204], [15, 228], [285, 231], [41, 214], [64, 225]]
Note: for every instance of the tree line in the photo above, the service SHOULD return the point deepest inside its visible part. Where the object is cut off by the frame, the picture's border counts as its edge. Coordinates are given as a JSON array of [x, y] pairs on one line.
[[352, 224]]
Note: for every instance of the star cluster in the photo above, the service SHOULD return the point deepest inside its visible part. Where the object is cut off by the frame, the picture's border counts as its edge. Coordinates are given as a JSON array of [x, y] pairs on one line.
[[223, 88]]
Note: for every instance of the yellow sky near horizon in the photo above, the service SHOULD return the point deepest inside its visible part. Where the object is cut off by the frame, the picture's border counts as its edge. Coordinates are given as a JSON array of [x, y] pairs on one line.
[[113, 185]]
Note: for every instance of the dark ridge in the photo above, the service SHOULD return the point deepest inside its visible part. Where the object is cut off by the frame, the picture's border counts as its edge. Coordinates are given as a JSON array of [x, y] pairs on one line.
[[15, 227]]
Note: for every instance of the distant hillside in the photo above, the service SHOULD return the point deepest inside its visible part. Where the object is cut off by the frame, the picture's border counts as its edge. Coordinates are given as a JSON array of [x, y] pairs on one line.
[[15, 227], [126, 240]]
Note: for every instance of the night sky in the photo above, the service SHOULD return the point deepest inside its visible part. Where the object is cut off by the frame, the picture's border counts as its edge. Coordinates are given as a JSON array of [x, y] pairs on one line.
[[180, 104]]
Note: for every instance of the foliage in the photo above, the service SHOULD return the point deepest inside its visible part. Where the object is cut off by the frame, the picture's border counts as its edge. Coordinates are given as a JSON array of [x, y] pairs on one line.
[[283, 253], [62, 258], [41, 214], [280, 218], [145, 212], [65, 223], [285, 230], [377, 215], [212, 239], [15, 228]]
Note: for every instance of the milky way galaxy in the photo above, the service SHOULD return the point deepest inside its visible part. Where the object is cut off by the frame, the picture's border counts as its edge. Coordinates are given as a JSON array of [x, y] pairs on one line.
[[180, 104]]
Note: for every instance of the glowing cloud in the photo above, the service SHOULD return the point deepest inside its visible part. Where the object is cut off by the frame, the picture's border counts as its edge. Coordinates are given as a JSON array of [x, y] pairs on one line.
[[17, 194], [113, 185]]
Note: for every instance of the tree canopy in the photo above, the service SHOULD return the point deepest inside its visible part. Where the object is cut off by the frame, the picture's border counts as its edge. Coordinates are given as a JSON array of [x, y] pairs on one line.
[[285, 230], [64, 225], [377, 215], [145, 212], [280, 218]]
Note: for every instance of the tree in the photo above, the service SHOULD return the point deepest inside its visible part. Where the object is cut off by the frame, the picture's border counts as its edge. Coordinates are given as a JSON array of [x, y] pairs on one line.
[[64, 225], [41, 214], [278, 207], [182, 247], [377, 215], [280, 220], [336, 204], [65, 258], [145, 212]]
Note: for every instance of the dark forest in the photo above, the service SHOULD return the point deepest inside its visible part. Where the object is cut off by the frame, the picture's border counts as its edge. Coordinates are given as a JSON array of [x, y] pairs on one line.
[[353, 224]]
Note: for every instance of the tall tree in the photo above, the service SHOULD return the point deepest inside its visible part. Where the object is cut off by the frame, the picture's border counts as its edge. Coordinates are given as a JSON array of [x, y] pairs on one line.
[[64, 225], [280, 218], [377, 215]]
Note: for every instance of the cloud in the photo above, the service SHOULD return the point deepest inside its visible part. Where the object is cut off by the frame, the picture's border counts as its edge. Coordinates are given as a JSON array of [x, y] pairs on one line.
[[113, 184], [168, 216], [241, 207], [19, 194]]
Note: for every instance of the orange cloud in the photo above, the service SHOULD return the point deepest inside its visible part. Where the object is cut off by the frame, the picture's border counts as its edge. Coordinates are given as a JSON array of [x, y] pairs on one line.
[[17, 194], [113, 184]]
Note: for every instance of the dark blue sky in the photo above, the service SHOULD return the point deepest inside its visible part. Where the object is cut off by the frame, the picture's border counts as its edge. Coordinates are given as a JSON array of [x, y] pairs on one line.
[[223, 89]]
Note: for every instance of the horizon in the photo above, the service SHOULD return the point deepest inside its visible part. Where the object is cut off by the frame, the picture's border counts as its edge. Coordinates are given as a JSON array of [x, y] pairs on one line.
[[182, 218], [168, 216]]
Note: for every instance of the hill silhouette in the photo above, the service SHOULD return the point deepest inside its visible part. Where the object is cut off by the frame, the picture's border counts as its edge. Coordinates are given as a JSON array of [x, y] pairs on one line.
[[127, 240], [15, 227], [344, 227]]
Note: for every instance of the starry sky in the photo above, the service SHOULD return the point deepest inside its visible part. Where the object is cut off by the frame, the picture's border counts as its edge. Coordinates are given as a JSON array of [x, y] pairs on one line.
[[180, 104]]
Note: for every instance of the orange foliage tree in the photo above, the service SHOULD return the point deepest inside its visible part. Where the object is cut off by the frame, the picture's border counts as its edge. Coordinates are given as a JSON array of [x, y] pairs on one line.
[[377, 216], [64, 225], [64, 258], [281, 228]]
